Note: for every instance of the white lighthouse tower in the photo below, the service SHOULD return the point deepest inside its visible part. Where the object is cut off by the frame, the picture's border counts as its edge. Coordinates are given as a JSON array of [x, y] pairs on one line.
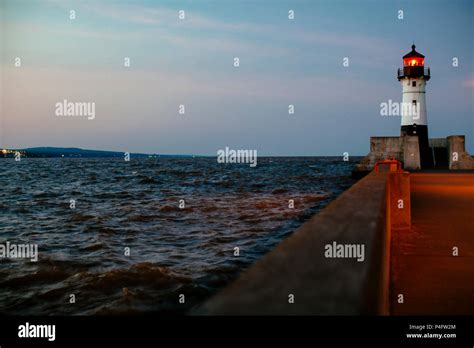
[[444, 153], [413, 78]]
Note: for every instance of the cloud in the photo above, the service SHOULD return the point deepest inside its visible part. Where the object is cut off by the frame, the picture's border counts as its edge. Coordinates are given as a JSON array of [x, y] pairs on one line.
[[164, 22], [469, 83], [155, 16]]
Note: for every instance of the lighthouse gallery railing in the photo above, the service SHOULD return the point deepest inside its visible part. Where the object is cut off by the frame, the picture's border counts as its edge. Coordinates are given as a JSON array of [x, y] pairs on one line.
[[413, 71]]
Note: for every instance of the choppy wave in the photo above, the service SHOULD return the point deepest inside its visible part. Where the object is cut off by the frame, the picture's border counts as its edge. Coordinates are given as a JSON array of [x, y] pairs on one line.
[[173, 249]]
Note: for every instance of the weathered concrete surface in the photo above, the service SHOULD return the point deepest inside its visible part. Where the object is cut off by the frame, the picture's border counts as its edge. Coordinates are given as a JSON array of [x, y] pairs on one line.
[[399, 195], [411, 153], [321, 285], [458, 157], [424, 270], [438, 142], [380, 149], [406, 150]]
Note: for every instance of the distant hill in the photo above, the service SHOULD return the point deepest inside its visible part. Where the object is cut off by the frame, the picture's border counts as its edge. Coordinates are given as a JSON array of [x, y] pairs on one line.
[[77, 152]]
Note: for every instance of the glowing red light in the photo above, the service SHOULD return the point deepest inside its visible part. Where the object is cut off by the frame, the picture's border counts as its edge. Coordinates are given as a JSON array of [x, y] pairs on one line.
[[414, 61]]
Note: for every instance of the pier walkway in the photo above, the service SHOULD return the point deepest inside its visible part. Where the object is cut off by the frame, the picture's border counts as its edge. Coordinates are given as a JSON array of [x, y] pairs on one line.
[[423, 268]]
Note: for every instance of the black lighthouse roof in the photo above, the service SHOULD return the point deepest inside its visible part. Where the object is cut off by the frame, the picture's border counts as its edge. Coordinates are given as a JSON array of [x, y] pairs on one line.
[[413, 53]]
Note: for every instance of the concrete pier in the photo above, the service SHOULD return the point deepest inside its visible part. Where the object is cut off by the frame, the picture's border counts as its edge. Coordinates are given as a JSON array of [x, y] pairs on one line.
[[433, 277], [408, 224], [297, 279], [448, 153]]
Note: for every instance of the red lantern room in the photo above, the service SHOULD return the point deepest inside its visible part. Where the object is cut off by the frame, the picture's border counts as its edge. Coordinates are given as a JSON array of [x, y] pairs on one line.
[[413, 58], [413, 66]]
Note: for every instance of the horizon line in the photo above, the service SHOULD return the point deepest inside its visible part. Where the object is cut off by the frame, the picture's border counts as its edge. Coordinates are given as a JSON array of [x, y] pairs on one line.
[[59, 148]]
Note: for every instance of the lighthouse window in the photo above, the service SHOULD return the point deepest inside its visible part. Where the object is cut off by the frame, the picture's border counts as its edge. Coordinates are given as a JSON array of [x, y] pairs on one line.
[[414, 102], [413, 83]]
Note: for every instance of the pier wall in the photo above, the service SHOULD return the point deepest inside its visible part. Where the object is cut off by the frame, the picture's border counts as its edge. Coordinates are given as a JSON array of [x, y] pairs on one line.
[[404, 149], [297, 278], [459, 158], [450, 150]]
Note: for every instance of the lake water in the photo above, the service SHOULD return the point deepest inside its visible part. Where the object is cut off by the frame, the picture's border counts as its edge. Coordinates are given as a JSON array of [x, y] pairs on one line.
[[136, 205]]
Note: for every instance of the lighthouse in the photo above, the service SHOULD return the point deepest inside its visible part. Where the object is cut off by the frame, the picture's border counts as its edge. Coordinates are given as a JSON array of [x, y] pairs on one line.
[[413, 148], [413, 77]]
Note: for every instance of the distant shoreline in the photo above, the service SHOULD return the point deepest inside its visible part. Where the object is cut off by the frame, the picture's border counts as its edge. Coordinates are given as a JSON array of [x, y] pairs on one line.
[[73, 152]]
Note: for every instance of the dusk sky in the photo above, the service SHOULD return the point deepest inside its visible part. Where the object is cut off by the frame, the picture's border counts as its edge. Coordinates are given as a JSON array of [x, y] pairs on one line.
[[190, 62]]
